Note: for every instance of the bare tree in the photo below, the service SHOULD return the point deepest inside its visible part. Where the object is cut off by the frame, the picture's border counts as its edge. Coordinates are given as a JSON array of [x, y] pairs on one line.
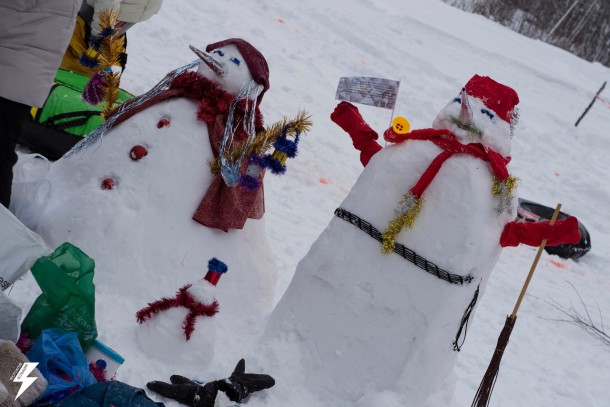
[[583, 320]]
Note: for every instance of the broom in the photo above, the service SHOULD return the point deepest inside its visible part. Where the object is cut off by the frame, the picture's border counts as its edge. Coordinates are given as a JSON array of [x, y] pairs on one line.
[[481, 398]]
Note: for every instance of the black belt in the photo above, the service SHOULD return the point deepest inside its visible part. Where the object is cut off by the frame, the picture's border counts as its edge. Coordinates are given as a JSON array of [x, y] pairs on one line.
[[401, 250]]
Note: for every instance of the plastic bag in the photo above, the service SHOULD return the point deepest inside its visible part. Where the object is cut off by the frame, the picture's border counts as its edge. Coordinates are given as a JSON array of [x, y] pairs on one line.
[[62, 362], [31, 188], [68, 295], [10, 318], [19, 248]]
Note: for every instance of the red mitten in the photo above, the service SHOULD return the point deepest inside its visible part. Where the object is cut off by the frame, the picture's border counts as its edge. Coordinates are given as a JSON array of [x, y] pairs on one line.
[[363, 137], [532, 233], [368, 151]]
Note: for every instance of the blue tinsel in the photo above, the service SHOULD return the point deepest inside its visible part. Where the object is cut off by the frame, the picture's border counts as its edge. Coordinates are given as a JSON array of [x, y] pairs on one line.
[[249, 182], [255, 159], [217, 266], [107, 31], [274, 165], [286, 146], [95, 41], [88, 62]]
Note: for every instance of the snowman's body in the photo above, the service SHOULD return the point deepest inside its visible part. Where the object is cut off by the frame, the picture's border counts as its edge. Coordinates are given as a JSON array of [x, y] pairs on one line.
[[154, 197], [149, 210], [369, 322]]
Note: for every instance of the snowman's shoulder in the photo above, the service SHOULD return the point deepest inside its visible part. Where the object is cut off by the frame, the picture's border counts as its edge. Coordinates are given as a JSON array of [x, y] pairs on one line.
[[163, 115], [409, 153]]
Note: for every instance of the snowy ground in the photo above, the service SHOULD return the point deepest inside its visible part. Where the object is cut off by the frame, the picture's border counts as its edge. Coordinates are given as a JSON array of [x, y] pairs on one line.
[[434, 49]]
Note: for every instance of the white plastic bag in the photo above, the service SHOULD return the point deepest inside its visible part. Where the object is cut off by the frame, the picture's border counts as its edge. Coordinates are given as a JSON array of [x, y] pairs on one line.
[[31, 188], [19, 248], [10, 321]]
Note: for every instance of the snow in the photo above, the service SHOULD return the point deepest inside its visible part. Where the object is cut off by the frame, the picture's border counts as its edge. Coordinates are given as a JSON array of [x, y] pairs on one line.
[[434, 49]]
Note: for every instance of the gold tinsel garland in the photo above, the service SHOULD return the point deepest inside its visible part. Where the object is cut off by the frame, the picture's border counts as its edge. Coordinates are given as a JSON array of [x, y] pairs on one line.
[[108, 57], [405, 219], [263, 140], [507, 186], [412, 206]]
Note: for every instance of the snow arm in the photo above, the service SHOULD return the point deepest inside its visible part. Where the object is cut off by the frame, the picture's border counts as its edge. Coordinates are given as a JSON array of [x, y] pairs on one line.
[[349, 119], [532, 233]]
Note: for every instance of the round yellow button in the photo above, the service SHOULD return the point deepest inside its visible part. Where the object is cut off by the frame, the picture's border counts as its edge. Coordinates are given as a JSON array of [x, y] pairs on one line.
[[400, 125]]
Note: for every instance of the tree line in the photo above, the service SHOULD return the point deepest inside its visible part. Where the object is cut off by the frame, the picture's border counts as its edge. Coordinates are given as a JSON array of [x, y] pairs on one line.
[[581, 27]]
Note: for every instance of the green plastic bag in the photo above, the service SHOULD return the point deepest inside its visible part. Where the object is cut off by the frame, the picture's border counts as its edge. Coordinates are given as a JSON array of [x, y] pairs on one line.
[[64, 109], [68, 295]]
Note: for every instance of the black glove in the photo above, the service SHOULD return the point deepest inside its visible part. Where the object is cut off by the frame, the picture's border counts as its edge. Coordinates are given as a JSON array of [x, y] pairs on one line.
[[241, 384], [186, 391]]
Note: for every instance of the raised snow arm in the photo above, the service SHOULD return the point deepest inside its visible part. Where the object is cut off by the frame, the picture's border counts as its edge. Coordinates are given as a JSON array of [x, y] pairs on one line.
[[532, 233], [349, 119]]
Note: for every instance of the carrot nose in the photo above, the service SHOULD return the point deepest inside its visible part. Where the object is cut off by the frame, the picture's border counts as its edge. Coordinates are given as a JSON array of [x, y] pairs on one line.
[[465, 111], [209, 60]]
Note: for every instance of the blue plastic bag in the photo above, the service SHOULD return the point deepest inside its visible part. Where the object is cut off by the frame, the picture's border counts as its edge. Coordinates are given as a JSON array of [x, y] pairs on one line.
[[62, 362]]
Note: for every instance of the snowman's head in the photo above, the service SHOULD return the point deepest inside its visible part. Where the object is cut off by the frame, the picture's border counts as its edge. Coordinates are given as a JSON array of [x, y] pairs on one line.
[[483, 112], [233, 63]]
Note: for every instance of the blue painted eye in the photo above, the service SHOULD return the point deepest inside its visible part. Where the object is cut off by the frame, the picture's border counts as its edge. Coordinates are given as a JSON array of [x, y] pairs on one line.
[[235, 61], [488, 113], [219, 52], [459, 100]]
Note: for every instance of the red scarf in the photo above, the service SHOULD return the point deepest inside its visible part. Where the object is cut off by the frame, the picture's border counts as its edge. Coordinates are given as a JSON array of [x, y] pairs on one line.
[[447, 141]]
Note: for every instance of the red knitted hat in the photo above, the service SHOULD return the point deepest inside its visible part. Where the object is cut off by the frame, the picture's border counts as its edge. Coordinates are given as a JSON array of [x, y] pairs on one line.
[[257, 65], [497, 97]]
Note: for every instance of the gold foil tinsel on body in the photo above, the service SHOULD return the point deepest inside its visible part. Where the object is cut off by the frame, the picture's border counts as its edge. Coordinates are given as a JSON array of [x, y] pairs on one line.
[[404, 220]]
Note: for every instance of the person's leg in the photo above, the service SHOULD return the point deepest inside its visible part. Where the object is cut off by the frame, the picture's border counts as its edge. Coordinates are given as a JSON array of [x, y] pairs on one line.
[[12, 115]]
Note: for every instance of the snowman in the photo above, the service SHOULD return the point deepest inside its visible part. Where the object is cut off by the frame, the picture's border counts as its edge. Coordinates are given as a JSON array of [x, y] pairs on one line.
[[381, 300], [190, 310], [139, 197]]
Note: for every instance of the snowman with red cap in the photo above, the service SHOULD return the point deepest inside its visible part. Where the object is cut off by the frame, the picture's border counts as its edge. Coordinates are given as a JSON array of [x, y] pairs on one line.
[[413, 246], [138, 194]]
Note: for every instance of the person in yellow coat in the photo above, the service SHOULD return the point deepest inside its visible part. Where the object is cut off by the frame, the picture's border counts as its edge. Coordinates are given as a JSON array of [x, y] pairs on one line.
[[87, 27]]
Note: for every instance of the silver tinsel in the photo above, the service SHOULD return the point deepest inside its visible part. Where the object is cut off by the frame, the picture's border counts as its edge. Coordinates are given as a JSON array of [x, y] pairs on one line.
[[407, 202], [505, 198], [230, 167], [97, 135]]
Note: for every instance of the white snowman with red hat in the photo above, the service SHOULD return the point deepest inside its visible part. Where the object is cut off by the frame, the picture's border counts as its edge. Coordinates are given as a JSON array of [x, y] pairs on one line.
[[138, 195], [191, 311], [413, 246]]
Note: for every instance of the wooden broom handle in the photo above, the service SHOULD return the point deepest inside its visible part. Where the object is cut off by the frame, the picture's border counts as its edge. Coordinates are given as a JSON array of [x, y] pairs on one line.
[[534, 264]]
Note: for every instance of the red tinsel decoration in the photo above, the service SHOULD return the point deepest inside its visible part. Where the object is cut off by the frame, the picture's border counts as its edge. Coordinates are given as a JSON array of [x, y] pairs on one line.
[[212, 99], [182, 299]]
